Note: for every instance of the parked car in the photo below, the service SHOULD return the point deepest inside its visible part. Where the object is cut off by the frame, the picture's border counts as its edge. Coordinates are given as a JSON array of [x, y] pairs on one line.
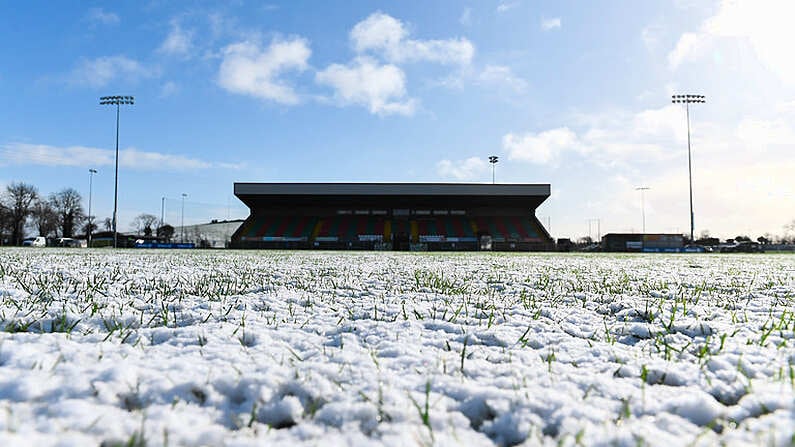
[[39, 241], [696, 248], [67, 242], [742, 247]]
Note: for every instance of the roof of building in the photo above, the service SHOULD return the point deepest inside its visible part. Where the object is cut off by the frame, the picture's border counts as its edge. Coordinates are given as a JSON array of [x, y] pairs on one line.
[[396, 195], [641, 234], [401, 189]]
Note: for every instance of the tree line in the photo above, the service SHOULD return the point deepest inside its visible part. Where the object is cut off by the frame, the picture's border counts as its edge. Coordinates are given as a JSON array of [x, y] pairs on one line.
[[60, 214]]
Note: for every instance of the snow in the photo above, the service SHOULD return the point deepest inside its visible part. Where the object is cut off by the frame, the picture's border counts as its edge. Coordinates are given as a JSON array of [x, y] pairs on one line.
[[308, 348]]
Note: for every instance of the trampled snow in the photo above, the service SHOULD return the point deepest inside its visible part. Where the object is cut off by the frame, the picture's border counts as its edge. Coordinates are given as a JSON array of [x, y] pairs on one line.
[[311, 348]]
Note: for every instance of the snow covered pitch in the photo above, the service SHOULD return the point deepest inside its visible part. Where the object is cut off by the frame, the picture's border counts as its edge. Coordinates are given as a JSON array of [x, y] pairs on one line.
[[309, 348]]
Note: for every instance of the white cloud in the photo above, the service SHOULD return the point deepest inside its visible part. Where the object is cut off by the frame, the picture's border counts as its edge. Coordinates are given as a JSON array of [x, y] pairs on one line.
[[506, 6], [81, 156], [470, 169], [380, 88], [663, 125], [690, 46], [385, 35], [373, 79], [606, 139], [765, 24], [178, 42], [250, 70], [742, 170], [494, 77], [550, 24], [168, 89], [761, 137], [97, 15], [135, 159], [39, 154], [466, 17], [541, 148], [660, 135], [101, 71], [651, 36], [501, 75]]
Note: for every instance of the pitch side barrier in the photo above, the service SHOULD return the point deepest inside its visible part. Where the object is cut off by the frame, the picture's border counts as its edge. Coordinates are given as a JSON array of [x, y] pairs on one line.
[[165, 245], [674, 250]]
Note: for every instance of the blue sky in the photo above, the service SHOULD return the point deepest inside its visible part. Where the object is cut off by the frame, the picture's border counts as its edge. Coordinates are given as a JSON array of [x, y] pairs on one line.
[[569, 93]]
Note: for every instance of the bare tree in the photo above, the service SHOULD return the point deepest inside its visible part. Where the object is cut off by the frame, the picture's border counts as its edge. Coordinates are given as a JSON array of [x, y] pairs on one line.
[[145, 223], [45, 219], [17, 200], [67, 203], [5, 223], [108, 223], [165, 233], [90, 225], [789, 233]]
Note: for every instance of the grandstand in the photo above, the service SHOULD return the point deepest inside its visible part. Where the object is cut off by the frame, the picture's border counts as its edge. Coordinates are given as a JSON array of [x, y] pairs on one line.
[[392, 216]]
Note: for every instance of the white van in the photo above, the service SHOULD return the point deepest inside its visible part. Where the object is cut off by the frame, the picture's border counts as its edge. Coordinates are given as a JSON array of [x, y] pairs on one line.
[[39, 241], [67, 242]]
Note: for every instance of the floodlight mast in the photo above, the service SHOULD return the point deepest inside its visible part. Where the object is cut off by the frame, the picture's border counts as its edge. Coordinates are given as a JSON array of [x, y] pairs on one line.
[[642, 205], [182, 224], [493, 159], [91, 172], [687, 100], [117, 101]]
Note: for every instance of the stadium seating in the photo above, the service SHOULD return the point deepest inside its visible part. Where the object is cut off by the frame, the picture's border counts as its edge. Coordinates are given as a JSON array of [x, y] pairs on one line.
[[399, 226], [347, 228], [350, 227], [446, 226], [267, 227], [509, 228]]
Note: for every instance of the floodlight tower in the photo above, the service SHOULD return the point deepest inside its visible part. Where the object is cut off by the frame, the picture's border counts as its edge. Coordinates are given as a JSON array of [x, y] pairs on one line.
[[117, 101], [687, 100], [493, 159], [91, 172], [182, 238], [643, 189]]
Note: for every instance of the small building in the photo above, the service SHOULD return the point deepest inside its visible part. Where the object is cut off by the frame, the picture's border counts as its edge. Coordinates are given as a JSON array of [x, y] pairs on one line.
[[105, 239], [564, 244], [640, 242]]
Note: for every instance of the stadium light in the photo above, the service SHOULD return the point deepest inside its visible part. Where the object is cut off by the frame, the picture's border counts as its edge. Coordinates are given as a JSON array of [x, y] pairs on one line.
[[493, 159], [162, 209], [117, 101], [643, 189], [182, 237], [91, 173], [687, 100]]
